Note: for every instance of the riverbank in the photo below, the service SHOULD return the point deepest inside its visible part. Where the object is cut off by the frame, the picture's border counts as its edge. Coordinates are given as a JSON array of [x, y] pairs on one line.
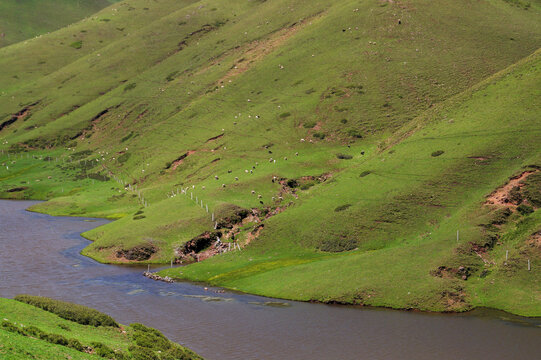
[[63, 331]]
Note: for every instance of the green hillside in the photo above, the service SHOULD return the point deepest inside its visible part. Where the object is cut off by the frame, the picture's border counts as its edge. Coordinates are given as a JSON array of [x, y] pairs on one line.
[[28, 332], [337, 146], [24, 19]]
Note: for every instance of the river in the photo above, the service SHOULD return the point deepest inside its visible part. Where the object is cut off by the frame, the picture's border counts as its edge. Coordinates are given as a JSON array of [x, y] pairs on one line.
[[39, 255]]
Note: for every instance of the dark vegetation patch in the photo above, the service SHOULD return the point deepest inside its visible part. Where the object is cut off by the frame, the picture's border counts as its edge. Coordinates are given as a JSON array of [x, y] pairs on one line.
[[17, 189], [524, 209], [532, 189], [99, 177], [171, 76], [137, 253], [309, 124], [437, 153], [319, 135], [228, 215], [81, 154], [34, 332], [69, 311], [501, 216], [123, 158], [354, 133], [338, 244], [130, 86], [519, 3], [342, 207], [285, 115], [127, 137], [365, 173], [344, 156]]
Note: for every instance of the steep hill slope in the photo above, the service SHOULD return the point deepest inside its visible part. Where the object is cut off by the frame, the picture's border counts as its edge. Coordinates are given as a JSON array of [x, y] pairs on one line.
[[23, 19], [339, 144]]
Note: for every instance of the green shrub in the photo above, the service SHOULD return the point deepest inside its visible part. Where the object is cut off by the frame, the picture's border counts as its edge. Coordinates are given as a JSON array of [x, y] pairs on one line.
[[8, 326], [309, 124], [103, 350], [34, 332], [77, 44], [141, 353], [149, 338], [437, 153], [285, 114], [130, 86], [75, 344], [73, 312], [319, 135], [175, 354], [64, 327], [344, 121], [55, 339], [524, 209], [344, 156], [139, 217]]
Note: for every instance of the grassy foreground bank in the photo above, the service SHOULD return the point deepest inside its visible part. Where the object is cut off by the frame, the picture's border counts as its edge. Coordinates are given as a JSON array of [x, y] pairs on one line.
[[69, 331]]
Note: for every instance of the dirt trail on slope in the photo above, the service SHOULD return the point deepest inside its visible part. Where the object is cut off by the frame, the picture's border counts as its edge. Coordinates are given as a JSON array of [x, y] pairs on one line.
[[256, 50]]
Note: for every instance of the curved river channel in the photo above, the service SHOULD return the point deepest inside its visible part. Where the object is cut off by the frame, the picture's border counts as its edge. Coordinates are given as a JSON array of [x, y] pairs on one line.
[[39, 255]]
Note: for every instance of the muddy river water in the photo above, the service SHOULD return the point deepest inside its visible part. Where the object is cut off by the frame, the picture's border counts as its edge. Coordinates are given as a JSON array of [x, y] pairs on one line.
[[39, 255]]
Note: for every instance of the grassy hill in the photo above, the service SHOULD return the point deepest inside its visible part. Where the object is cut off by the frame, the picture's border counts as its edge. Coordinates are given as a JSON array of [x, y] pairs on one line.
[[340, 145], [27, 331], [24, 19]]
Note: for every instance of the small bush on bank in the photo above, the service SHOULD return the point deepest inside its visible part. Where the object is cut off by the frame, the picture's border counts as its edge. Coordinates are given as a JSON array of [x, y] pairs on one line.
[[149, 338], [437, 153]]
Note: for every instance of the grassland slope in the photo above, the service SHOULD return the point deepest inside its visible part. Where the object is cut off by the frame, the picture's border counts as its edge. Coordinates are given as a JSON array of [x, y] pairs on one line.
[[339, 144], [24, 19]]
